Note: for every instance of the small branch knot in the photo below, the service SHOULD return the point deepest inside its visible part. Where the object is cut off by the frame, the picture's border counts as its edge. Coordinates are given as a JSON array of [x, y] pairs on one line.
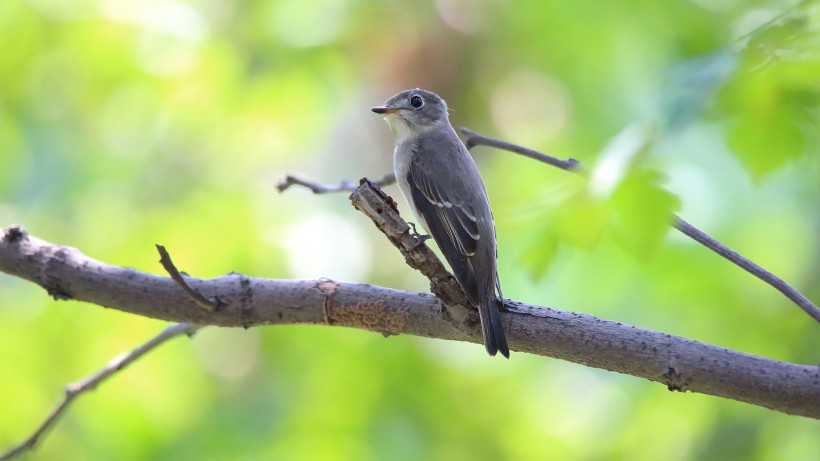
[[15, 233], [674, 380]]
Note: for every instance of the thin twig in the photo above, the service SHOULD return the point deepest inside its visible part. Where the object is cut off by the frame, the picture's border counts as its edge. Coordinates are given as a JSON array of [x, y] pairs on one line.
[[205, 303], [344, 186], [74, 390], [121, 361], [475, 139], [747, 265]]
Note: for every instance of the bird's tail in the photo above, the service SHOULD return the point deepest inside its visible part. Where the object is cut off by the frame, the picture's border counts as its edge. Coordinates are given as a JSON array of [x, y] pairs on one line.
[[494, 339]]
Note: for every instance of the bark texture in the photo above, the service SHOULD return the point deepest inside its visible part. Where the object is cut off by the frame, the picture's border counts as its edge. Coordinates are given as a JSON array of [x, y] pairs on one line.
[[680, 364]]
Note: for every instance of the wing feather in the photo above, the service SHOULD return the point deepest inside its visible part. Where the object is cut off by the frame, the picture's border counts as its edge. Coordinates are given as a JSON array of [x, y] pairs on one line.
[[457, 218]]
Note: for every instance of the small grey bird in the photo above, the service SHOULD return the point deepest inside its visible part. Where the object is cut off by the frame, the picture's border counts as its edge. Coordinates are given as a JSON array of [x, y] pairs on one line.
[[441, 183]]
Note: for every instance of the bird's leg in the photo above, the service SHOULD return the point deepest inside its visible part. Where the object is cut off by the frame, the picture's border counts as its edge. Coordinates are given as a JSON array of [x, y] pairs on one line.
[[420, 237]]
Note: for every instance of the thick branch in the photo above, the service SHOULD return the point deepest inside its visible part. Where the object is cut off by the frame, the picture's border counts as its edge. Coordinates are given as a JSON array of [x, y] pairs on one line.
[[678, 363]]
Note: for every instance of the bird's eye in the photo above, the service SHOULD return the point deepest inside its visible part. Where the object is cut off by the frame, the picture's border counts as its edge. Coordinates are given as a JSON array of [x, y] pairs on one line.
[[416, 102]]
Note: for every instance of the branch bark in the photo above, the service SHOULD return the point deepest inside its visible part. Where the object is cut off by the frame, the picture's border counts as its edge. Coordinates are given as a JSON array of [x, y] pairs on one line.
[[680, 364]]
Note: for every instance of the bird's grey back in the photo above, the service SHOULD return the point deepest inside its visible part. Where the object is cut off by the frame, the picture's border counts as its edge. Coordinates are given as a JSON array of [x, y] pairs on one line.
[[445, 144]]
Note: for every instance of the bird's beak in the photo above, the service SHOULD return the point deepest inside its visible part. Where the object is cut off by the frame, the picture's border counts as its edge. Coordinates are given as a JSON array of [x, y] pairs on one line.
[[384, 109]]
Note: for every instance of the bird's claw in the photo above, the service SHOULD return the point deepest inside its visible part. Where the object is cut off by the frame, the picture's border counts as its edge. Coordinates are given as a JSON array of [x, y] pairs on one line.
[[421, 238]]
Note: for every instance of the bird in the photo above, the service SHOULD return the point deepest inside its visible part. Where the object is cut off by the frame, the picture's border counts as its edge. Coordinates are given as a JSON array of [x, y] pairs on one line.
[[441, 183]]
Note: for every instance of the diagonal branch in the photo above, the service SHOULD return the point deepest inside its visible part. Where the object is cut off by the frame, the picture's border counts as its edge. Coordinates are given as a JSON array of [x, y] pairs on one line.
[[74, 390], [746, 264], [371, 201], [475, 139]]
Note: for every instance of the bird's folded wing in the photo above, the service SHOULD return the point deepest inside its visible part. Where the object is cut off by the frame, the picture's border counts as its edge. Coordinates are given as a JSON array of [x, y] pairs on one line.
[[445, 212]]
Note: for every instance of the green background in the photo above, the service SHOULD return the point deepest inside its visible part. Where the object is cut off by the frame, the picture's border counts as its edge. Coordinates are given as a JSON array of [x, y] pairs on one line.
[[129, 123]]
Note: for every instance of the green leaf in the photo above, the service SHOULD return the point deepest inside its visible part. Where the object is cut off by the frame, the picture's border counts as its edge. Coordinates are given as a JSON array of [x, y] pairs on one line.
[[769, 137], [771, 103], [642, 212], [691, 86], [582, 220], [538, 255]]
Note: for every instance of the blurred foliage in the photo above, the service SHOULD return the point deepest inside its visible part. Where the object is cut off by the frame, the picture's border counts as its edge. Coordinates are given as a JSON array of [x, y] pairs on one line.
[[773, 100], [125, 123]]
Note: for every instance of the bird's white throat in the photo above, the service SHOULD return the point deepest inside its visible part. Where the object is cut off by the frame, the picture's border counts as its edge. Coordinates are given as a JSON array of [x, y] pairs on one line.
[[400, 128]]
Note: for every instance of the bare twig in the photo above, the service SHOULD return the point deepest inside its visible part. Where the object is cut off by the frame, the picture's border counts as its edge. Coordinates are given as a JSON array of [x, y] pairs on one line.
[[74, 390], [168, 265], [344, 186], [475, 139], [747, 265]]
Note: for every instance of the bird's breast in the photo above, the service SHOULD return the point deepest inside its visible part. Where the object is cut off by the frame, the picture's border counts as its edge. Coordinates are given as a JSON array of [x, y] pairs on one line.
[[402, 156]]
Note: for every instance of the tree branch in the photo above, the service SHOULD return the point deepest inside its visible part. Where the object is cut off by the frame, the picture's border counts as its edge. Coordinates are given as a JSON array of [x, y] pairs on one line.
[[475, 139], [316, 188], [74, 390], [678, 363], [176, 276]]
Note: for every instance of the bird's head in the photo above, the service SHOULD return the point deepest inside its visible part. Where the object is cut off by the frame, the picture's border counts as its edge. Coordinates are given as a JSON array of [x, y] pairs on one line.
[[413, 112]]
